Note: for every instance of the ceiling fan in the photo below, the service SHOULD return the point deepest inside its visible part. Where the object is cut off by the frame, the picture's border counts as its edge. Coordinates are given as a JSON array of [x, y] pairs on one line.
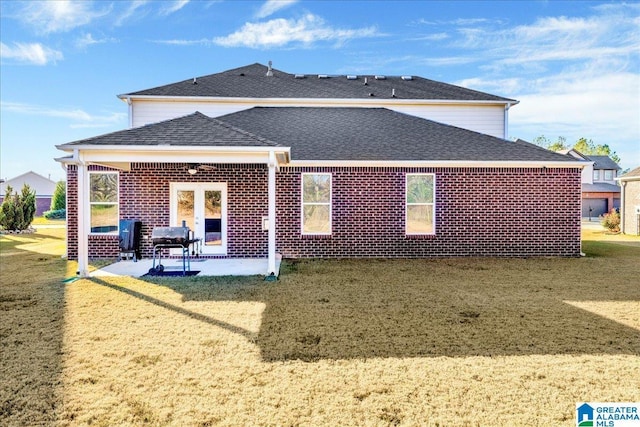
[[193, 168]]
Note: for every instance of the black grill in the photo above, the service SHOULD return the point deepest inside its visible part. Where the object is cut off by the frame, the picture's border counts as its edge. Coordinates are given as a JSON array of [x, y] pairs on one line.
[[178, 236], [171, 237]]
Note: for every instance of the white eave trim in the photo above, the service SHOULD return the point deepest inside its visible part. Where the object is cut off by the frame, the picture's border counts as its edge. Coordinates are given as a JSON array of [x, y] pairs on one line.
[[436, 164], [362, 102], [173, 148], [113, 154]]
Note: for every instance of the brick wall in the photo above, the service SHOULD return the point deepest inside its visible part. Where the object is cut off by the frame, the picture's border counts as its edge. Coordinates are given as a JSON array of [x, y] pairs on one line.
[[145, 195], [511, 212], [479, 212]]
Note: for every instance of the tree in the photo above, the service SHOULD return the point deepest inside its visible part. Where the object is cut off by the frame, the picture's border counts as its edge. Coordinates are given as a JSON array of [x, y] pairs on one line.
[[59, 200], [558, 145], [587, 146], [583, 145], [17, 210]]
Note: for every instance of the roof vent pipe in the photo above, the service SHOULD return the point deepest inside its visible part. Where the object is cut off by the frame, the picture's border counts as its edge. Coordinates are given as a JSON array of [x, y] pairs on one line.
[[366, 82], [270, 70], [195, 82], [393, 93]]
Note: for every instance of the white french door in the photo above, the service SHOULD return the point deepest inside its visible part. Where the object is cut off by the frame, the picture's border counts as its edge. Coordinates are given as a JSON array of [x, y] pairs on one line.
[[203, 208]]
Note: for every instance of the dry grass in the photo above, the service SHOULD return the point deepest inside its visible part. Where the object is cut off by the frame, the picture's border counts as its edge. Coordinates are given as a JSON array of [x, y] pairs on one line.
[[395, 342], [31, 327]]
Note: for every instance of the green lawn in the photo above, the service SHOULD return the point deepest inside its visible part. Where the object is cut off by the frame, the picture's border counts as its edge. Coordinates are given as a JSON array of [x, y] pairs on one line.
[[477, 341]]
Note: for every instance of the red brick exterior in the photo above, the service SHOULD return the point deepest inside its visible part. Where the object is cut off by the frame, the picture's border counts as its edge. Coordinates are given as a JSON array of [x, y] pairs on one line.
[[506, 212], [145, 195], [479, 212]]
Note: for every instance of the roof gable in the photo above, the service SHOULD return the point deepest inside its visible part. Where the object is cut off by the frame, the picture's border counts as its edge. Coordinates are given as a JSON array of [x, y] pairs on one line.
[[40, 184], [251, 81], [193, 130], [603, 162], [634, 173]]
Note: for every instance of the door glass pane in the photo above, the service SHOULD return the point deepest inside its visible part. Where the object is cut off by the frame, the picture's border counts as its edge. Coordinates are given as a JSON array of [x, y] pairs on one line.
[[212, 218], [186, 208]]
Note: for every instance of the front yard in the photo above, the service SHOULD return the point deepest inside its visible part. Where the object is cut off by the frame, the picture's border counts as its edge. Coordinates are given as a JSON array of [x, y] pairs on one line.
[[376, 342]]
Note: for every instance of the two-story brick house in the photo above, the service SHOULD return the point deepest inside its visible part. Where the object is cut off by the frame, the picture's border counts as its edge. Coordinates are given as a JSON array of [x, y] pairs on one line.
[[258, 162]]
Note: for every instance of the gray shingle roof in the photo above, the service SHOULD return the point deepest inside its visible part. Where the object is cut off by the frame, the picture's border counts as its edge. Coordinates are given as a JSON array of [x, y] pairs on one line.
[[251, 82], [378, 134], [600, 187], [603, 162], [193, 130], [332, 134]]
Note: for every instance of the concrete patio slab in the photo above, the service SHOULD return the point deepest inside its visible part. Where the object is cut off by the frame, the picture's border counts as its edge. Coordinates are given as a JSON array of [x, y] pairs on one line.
[[207, 267]]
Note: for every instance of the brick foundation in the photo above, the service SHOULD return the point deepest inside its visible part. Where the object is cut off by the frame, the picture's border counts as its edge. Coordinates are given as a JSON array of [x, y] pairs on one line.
[[506, 212]]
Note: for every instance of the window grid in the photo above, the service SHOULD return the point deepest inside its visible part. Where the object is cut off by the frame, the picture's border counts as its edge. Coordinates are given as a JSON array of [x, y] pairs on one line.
[[307, 226], [430, 205], [102, 222]]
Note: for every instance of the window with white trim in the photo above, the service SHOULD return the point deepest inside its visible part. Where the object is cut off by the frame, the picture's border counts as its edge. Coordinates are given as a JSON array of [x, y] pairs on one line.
[[608, 175], [316, 203], [420, 204], [596, 175], [103, 202]]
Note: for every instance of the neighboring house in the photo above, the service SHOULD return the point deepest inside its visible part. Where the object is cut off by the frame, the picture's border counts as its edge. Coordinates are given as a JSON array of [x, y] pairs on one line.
[[259, 162], [630, 202], [44, 188], [600, 192]]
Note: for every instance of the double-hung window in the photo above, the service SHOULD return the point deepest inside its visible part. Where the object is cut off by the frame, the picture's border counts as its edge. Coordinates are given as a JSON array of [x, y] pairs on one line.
[[608, 175], [103, 201], [420, 204], [316, 203]]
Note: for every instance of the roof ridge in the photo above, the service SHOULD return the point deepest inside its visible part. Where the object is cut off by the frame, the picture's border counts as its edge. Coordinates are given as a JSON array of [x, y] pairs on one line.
[[242, 131]]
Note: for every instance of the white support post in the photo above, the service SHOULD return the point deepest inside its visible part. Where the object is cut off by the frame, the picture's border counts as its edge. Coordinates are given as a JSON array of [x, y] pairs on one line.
[[83, 220], [272, 213]]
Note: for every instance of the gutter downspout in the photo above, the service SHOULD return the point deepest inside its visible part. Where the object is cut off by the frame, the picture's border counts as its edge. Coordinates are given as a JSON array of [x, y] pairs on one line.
[[506, 120], [271, 270], [130, 110], [623, 186]]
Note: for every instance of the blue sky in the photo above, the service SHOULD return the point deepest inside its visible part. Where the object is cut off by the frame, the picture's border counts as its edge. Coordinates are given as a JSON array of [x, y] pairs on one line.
[[574, 66]]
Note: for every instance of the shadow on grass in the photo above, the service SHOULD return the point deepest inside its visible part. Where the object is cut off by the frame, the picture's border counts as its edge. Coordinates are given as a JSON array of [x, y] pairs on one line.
[[31, 330], [358, 309], [197, 316]]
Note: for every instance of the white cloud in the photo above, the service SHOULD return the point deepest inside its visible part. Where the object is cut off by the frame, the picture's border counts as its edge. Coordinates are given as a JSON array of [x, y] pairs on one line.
[[58, 16], [173, 7], [281, 32], [87, 40], [132, 12], [604, 107], [30, 53], [80, 117], [272, 6]]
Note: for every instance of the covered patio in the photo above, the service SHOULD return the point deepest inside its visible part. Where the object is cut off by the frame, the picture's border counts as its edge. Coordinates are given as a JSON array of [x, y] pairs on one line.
[[163, 161]]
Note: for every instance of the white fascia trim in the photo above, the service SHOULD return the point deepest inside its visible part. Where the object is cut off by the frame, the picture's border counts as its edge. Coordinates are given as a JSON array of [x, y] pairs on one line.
[[436, 164], [315, 101], [178, 154], [173, 148]]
